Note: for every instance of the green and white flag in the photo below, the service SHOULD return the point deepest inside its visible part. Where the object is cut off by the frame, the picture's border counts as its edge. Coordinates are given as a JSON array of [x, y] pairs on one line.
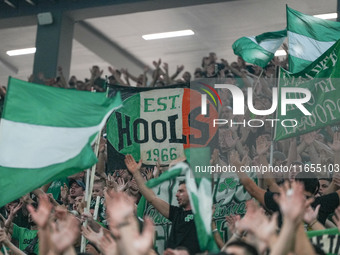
[[308, 38], [327, 240], [259, 50], [158, 124], [200, 198], [46, 133], [321, 78]]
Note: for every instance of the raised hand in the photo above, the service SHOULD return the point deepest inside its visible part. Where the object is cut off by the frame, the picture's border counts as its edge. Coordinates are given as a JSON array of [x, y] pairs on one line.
[[214, 157], [119, 206], [121, 184], [4, 238], [336, 179], [235, 159], [157, 64], [292, 201], [166, 67], [108, 245], [112, 70], [229, 140], [336, 142], [15, 210], [262, 145], [180, 68], [149, 174], [92, 236], [309, 138], [157, 168], [143, 242], [231, 222], [102, 144], [64, 193], [311, 214], [66, 233], [41, 215], [131, 164], [242, 225]]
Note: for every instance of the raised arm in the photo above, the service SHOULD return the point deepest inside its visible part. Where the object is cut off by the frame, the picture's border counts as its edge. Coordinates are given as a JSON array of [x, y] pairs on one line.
[[251, 187], [133, 167], [4, 239]]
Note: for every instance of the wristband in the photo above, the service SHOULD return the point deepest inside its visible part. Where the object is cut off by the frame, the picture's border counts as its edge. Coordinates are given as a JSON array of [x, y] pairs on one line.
[[313, 222], [215, 230]]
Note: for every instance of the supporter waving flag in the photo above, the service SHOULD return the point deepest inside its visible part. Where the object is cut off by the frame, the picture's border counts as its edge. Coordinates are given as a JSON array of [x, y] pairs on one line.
[[308, 38], [46, 133], [259, 50], [199, 191]]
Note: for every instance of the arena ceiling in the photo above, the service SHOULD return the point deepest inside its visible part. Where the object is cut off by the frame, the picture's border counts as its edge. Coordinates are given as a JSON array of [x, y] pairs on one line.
[[110, 32]]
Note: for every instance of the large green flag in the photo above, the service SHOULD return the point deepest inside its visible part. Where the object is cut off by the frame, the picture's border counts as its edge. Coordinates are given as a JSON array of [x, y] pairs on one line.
[[308, 38], [321, 78], [259, 50], [46, 133]]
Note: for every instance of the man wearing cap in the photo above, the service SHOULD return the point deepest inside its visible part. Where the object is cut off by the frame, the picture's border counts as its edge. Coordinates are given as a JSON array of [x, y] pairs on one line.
[[77, 188]]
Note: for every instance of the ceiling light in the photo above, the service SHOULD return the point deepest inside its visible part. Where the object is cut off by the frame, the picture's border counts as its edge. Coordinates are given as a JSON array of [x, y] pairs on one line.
[[8, 2], [31, 2], [327, 16], [168, 34], [279, 53], [21, 52]]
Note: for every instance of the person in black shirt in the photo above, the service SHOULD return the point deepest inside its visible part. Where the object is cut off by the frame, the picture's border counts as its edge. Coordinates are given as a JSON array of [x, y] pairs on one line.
[[328, 203], [183, 230]]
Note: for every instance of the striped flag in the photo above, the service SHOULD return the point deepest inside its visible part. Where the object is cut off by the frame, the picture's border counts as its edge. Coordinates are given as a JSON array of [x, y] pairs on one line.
[[155, 124], [46, 133], [308, 38], [259, 50]]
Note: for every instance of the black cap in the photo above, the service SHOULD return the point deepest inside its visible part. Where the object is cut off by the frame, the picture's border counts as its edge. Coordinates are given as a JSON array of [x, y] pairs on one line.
[[79, 183]]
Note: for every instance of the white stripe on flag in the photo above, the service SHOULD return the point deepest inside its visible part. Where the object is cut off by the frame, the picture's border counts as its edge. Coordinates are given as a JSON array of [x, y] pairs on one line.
[[40, 146], [270, 45], [306, 48]]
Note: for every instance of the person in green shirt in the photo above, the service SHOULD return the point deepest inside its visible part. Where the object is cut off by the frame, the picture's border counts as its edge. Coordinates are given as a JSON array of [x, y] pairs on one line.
[[27, 237]]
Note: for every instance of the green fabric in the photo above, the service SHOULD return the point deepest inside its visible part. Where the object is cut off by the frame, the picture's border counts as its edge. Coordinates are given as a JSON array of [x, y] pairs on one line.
[[25, 236], [310, 26], [320, 78], [19, 181], [56, 107], [55, 186], [308, 38], [259, 50], [46, 133]]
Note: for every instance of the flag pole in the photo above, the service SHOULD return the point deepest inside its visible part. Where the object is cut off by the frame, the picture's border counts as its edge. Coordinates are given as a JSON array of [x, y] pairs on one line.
[[5, 249], [89, 187], [90, 179], [274, 133], [93, 171], [258, 79], [96, 208]]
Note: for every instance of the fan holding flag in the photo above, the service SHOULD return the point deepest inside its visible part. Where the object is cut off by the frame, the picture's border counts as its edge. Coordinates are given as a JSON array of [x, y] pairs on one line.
[[183, 231]]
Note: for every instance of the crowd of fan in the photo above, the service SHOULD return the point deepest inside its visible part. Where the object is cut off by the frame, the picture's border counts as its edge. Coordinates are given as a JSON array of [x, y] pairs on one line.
[[48, 220]]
